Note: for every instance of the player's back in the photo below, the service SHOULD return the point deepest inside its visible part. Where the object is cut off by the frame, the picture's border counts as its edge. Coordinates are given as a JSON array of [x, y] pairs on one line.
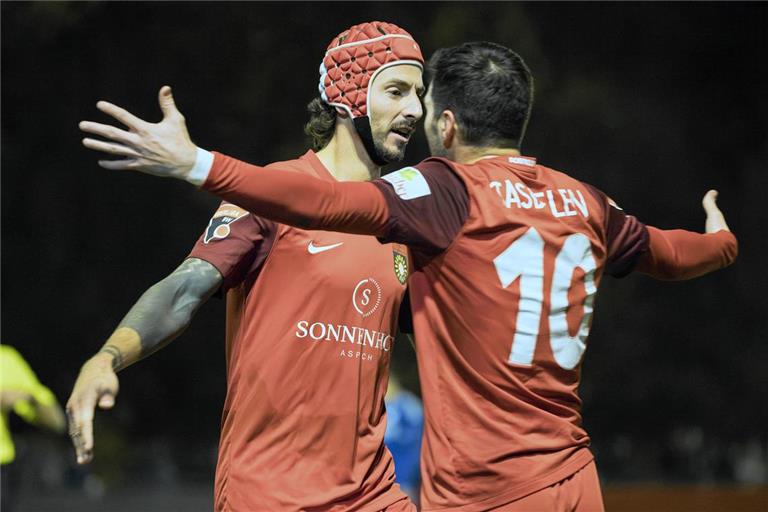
[[501, 320]]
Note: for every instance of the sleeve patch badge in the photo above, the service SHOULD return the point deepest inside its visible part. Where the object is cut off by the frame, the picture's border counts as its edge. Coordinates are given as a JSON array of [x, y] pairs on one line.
[[400, 261], [409, 183], [218, 228]]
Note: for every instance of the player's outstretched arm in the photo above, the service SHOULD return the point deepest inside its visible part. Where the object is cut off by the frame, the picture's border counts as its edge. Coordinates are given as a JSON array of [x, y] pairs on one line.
[[678, 254], [163, 149], [159, 316]]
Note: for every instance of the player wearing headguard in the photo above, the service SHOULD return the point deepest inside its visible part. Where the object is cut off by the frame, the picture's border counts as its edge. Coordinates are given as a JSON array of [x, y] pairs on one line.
[[508, 256], [311, 316]]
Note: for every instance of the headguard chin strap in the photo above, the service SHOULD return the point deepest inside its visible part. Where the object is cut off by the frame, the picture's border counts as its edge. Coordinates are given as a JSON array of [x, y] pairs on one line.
[[351, 63]]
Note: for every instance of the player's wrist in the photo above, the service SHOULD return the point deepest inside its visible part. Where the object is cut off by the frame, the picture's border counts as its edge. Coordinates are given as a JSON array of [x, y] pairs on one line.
[[202, 167], [104, 360]]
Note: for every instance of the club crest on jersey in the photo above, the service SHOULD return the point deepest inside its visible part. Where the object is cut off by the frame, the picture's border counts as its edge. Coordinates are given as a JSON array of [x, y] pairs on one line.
[[366, 297], [218, 228], [409, 183], [401, 266]]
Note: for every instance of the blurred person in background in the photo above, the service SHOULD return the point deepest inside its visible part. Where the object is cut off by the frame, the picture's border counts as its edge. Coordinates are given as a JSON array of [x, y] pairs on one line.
[[22, 393], [311, 317], [405, 423], [508, 257]]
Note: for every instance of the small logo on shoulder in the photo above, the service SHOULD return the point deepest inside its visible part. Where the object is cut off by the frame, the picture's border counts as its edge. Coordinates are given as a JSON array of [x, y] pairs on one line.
[[409, 183], [218, 228]]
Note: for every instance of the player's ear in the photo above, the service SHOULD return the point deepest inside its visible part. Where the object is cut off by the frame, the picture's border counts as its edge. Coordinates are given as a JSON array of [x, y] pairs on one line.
[[447, 128]]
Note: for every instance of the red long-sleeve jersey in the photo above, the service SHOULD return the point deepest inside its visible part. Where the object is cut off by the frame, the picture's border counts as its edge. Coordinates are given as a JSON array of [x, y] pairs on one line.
[[311, 320], [509, 255]]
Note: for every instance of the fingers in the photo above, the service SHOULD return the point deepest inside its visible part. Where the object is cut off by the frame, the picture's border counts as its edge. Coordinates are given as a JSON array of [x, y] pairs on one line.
[[108, 132], [167, 103], [80, 415], [129, 164], [121, 115], [709, 202], [715, 220], [110, 147], [107, 401]]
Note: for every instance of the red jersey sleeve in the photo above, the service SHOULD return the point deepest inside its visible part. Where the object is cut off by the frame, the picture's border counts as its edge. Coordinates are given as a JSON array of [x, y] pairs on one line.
[[423, 206], [297, 199], [678, 254], [428, 204], [235, 242], [663, 254], [627, 240], [626, 237]]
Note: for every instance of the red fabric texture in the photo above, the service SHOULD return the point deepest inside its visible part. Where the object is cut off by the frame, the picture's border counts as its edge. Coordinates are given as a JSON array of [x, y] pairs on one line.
[[496, 428], [307, 363], [579, 492], [295, 199], [677, 254]]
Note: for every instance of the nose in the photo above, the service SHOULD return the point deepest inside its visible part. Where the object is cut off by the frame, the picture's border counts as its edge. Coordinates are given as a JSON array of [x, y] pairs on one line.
[[413, 109]]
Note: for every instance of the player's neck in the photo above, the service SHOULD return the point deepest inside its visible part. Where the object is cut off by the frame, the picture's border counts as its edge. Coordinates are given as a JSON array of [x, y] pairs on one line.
[[346, 158], [471, 154]]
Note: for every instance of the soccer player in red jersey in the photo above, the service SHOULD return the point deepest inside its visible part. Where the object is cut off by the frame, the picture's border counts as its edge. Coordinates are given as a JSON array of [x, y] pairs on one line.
[[508, 256], [311, 316]]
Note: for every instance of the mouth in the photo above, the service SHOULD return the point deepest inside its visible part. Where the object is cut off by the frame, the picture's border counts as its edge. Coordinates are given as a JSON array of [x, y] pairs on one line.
[[402, 133]]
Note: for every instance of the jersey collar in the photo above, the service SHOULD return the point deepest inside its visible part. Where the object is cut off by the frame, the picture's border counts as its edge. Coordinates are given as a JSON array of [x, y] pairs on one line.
[[317, 166]]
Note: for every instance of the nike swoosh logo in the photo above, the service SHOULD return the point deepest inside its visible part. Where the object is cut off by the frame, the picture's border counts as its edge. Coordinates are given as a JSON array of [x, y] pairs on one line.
[[315, 249]]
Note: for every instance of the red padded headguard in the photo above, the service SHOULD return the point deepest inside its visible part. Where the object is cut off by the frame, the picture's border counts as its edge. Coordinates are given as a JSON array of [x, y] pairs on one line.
[[355, 56]]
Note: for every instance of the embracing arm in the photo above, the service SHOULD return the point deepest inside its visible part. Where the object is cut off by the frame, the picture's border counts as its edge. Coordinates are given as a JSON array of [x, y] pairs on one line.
[[159, 316], [310, 203], [678, 254], [165, 149]]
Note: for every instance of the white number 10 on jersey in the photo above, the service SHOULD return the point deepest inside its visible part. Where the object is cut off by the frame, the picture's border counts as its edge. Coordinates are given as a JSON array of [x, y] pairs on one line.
[[524, 259]]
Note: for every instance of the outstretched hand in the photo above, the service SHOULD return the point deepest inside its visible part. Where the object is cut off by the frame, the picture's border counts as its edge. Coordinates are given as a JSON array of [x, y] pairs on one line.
[[715, 219], [163, 149]]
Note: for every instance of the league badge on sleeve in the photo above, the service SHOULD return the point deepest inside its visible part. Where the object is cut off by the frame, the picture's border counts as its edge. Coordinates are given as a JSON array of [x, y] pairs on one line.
[[400, 261], [218, 228], [409, 183]]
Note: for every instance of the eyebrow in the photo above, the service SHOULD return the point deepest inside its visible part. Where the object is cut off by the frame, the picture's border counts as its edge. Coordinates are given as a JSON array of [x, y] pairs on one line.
[[406, 85]]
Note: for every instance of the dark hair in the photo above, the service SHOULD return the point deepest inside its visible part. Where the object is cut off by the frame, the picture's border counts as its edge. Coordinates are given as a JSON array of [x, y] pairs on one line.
[[321, 124], [488, 88]]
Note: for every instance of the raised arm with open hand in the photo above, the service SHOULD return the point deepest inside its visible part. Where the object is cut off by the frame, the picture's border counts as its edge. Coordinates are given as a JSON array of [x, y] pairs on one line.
[[163, 149]]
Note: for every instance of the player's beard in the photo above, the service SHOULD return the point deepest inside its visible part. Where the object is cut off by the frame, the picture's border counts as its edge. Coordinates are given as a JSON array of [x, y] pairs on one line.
[[436, 148], [389, 154]]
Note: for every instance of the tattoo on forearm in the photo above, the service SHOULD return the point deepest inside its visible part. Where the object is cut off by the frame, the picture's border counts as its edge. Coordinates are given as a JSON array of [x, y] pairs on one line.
[[165, 309], [117, 355], [194, 265]]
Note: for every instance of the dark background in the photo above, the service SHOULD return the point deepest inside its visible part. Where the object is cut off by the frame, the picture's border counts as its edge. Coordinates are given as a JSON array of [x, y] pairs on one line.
[[654, 103]]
